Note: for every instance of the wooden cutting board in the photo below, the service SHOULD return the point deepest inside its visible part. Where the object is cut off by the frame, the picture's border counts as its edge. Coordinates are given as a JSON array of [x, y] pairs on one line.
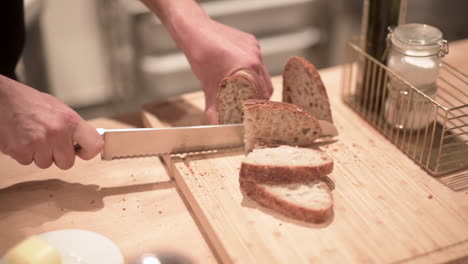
[[386, 209]]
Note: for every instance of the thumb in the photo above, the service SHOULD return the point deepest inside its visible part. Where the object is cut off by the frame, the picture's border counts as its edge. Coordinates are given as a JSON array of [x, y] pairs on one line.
[[88, 138]]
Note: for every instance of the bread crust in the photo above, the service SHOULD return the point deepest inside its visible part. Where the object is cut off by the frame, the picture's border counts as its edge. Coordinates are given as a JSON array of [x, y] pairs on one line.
[[261, 195], [313, 75], [284, 174]]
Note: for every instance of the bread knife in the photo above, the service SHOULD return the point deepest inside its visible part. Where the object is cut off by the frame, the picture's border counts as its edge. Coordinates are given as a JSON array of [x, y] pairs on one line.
[[140, 142]]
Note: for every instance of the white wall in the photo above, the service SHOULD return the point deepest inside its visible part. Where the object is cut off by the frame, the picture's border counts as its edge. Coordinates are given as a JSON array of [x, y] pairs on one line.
[[75, 52]]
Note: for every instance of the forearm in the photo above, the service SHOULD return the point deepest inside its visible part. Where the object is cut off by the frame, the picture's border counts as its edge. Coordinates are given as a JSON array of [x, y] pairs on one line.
[[182, 19]]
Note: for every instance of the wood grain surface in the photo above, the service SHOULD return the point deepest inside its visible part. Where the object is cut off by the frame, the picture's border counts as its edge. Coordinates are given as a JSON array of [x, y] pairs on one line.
[[131, 201], [387, 209]]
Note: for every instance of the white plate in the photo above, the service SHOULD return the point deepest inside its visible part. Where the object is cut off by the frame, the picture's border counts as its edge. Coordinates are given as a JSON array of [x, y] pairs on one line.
[[82, 247]]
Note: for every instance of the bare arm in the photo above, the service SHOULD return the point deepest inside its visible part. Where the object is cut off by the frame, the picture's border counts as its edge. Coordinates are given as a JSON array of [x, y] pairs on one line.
[[214, 50]]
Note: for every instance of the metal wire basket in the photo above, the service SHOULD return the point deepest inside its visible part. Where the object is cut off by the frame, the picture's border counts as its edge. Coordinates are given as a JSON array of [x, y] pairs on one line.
[[439, 143]]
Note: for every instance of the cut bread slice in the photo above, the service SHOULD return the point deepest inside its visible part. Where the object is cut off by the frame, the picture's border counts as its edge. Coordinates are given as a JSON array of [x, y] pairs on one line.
[[303, 87], [268, 123], [285, 164], [232, 91], [309, 202]]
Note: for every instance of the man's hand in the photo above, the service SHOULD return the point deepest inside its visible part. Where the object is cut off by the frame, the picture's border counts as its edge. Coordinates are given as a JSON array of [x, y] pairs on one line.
[[215, 51], [38, 127]]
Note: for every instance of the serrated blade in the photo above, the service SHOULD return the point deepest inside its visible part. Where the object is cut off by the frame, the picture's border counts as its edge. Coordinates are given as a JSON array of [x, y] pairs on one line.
[[126, 143]]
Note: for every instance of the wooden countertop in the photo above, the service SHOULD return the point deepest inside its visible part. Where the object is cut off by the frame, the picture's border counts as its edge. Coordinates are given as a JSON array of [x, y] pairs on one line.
[[137, 205], [133, 202]]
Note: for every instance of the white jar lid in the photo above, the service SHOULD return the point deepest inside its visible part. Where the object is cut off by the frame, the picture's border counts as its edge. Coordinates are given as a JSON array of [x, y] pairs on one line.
[[418, 40], [418, 34]]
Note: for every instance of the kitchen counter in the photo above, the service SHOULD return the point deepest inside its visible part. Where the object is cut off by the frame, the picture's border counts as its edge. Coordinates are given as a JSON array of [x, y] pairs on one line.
[[133, 202], [136, 204]]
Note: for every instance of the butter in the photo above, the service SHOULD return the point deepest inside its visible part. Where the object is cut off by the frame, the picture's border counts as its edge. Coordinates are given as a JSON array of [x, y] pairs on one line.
[[33, 250]]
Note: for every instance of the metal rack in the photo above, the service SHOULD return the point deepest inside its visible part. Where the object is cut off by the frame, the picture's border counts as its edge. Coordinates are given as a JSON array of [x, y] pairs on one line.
[[441, 145]]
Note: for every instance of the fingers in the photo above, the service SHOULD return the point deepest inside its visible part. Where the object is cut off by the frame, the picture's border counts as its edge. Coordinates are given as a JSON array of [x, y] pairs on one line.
[[32, 148], [89, 139], [23, 157], [58, 148], [43, 154], [36, 149], [64, 152], [262, 80]]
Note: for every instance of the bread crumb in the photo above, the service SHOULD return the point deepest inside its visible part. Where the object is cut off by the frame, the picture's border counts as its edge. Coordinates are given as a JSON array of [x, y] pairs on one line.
[[430, 196], [187, 164]]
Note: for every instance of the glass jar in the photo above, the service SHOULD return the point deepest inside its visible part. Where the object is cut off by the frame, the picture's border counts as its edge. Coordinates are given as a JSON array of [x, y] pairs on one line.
[[415, 55]]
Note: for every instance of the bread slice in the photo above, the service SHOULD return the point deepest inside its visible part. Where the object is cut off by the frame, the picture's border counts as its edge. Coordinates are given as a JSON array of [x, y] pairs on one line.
[[309, 202], [303, 87], [286, 164], [232, 91], [268, 123]]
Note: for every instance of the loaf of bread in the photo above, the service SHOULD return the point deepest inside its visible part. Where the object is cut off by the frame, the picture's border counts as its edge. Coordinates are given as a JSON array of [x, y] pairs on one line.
[[310, 202], [303, 87], [285, 164], [268, 123], [232, 91], [285, 178]]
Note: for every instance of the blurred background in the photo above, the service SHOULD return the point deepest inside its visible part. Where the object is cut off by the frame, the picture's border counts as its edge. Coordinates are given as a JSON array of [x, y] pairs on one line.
[[105, 57]]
